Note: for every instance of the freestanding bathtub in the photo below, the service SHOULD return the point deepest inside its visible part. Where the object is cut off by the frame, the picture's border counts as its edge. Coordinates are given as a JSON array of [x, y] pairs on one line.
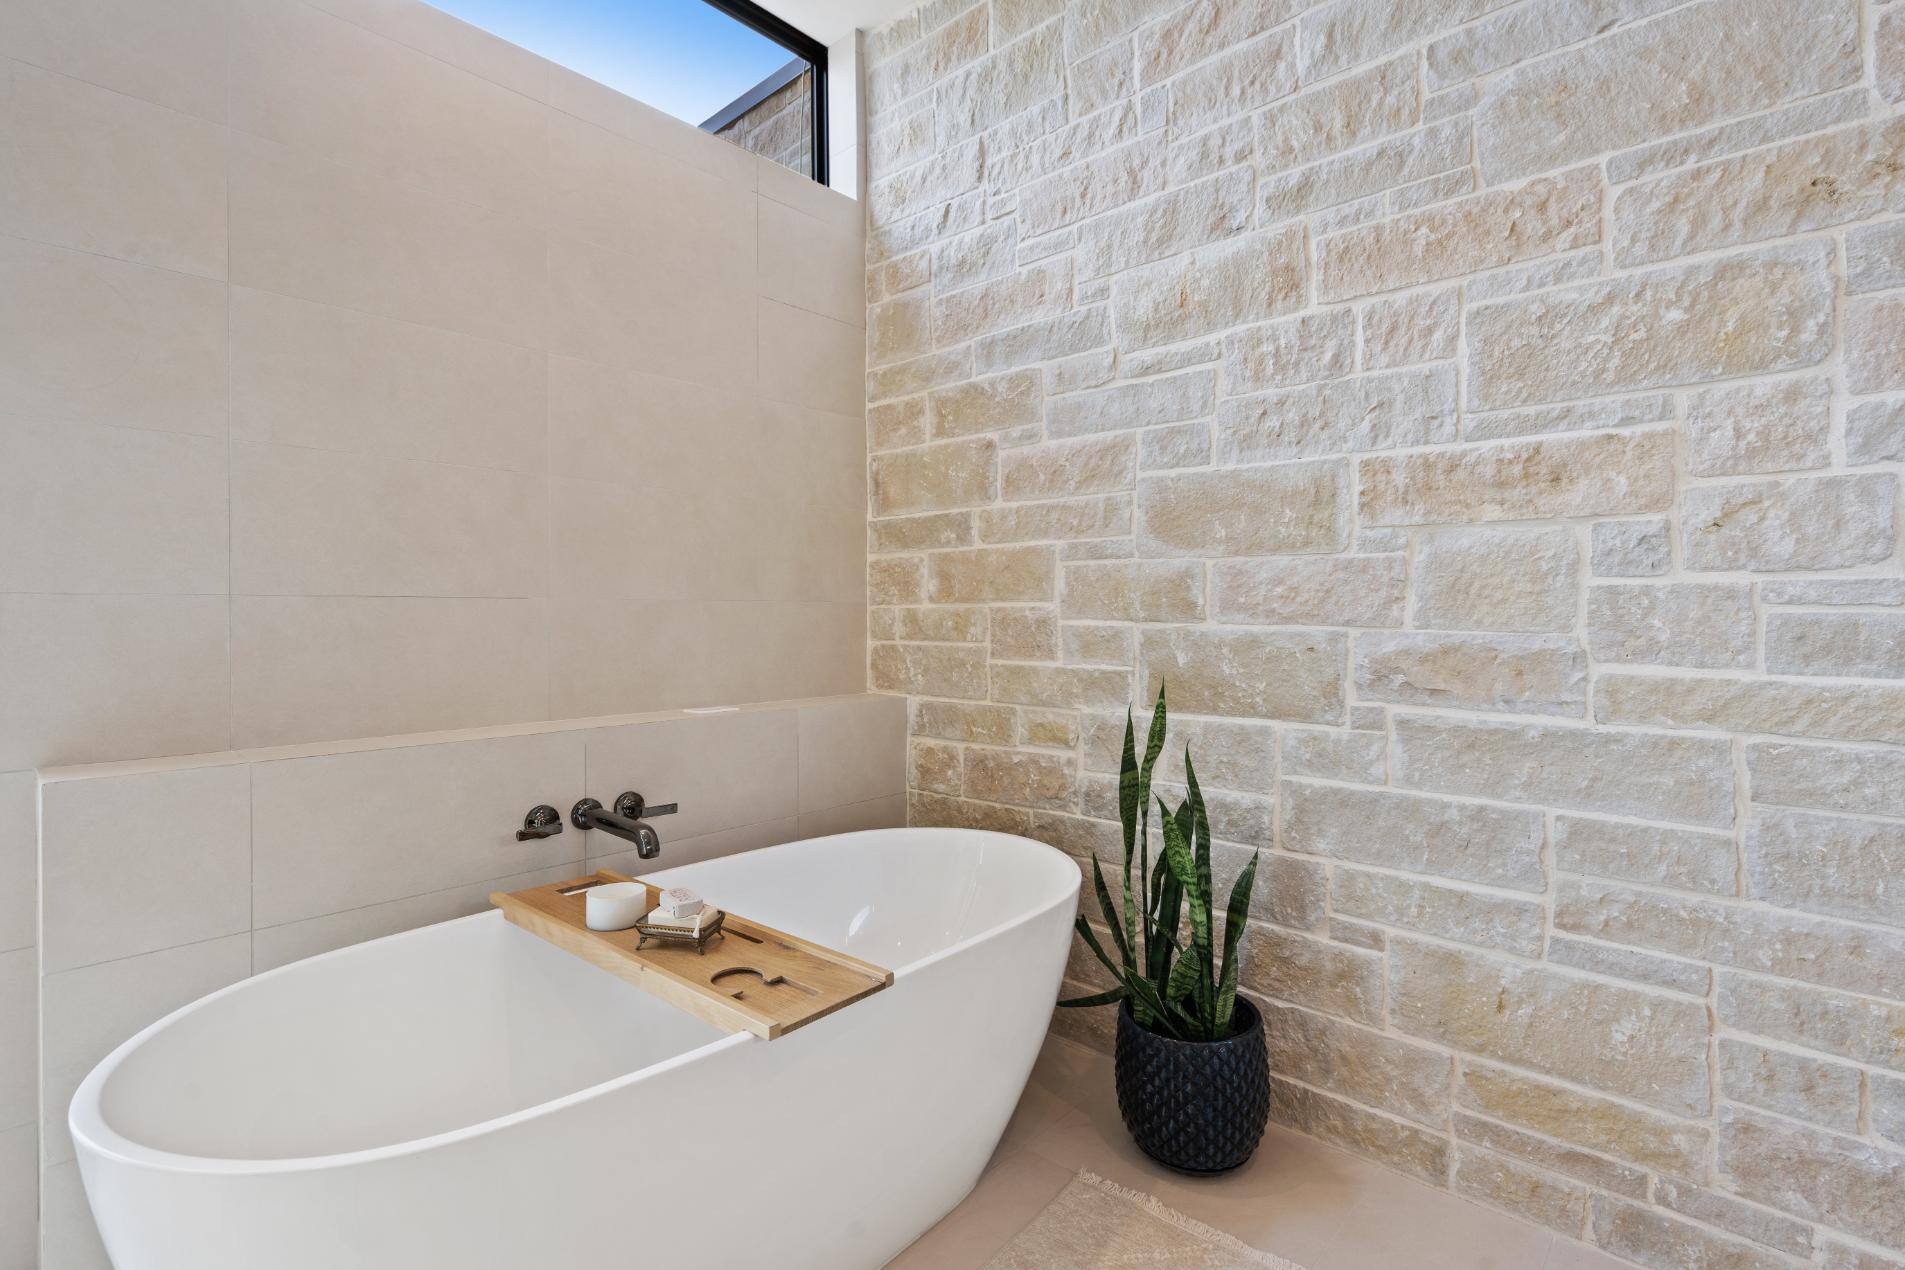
[[466, 1095]]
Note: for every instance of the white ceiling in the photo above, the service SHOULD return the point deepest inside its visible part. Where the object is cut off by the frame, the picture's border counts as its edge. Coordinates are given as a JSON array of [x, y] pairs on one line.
[[830, 21]]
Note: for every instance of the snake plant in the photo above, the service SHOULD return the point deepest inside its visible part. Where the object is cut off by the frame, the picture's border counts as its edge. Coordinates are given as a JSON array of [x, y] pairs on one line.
[[1174, 984]]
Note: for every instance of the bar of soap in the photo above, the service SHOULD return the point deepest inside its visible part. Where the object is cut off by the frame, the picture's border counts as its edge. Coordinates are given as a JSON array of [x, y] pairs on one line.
[[680, 901], [693, 922]]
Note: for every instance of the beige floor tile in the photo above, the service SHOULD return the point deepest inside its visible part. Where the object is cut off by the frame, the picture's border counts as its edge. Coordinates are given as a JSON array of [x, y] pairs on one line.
[[1298, 1198], [1011, 1192]]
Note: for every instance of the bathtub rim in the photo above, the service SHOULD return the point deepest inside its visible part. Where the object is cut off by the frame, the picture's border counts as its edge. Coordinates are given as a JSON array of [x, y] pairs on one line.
[[90, 1131]]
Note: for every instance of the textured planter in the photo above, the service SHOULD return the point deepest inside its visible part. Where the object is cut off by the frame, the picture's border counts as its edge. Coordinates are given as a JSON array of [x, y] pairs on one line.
[[1197, 1106]]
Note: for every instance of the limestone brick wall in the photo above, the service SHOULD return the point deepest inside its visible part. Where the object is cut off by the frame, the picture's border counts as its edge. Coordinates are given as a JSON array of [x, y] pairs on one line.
[[780, 126], [1488, 417]]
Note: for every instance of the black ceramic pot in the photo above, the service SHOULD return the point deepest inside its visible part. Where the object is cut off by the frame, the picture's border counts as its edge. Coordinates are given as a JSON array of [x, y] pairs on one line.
[[1197, 1106]]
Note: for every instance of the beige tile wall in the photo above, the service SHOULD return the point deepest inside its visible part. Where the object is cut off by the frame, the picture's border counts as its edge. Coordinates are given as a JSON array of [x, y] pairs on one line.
[[362, 374], [165, 881], [1488, 416]]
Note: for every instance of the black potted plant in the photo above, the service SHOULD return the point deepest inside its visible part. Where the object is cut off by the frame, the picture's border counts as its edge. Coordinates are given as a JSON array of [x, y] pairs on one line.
[[1191, 1067]]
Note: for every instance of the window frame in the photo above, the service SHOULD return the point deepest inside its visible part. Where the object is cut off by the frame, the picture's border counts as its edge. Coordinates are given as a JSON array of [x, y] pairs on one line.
[[801, 45]]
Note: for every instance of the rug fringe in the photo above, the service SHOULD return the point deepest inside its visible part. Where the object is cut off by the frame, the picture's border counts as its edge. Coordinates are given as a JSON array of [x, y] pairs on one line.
[[1189, 1225]]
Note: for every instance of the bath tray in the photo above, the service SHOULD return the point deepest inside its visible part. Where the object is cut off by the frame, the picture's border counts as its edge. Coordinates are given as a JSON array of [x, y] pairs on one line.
[[752, 978]]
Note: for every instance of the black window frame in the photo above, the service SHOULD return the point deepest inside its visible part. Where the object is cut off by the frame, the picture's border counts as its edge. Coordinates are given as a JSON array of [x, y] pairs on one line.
[[801, 45]]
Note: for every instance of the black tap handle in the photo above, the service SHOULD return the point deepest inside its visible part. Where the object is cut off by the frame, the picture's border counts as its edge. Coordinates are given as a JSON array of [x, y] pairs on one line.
[[543, 821], [635, 807]]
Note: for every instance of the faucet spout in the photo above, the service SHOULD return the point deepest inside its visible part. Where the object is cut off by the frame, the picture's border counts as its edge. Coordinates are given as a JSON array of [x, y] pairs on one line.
[[625, 822]]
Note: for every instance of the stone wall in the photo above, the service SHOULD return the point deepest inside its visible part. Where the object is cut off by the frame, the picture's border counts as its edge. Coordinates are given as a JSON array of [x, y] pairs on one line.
[[780, 126], [1487, 417]]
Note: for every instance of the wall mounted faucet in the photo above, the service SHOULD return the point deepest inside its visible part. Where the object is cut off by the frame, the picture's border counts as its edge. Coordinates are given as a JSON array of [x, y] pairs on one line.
[[542, 821], [629, 821]]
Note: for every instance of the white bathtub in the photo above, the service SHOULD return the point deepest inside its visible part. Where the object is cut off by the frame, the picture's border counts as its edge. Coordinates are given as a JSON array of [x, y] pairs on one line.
[[466, 1095]]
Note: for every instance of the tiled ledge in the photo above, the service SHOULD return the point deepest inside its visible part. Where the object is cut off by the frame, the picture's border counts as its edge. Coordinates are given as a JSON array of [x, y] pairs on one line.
[[357, 745]]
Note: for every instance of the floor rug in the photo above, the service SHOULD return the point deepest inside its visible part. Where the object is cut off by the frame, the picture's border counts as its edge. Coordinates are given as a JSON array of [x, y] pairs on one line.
[[1097, 1225]]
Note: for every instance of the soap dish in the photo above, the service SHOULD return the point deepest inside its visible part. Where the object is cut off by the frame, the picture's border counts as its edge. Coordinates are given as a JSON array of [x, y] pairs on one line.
[[680, 934]]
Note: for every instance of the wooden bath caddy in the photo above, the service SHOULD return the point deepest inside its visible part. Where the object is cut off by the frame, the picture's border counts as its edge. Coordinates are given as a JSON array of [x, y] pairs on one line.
[[750, 978]]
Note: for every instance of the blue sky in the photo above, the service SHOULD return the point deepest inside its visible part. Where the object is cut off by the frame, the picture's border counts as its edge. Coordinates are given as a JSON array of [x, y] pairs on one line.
[[682, 56]]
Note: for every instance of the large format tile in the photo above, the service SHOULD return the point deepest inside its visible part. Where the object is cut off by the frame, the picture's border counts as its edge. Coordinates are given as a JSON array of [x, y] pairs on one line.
[[707, 846], [96, 170], [95, 678], [68, 1238], [19, 1198], [725, 770], [318, 522], [118, 510], [171, 55], [408, 117], [90, 1011], [19, 1036], [810, 263], [607, 422], [335, 379], [431, 30], [274, 946], [19, 859], [307, 228], [811, 359], [343, 831], [852, 751], [93, 340], [576, 94], [658, 311], [133, 864], [876, 813], [308, 668]]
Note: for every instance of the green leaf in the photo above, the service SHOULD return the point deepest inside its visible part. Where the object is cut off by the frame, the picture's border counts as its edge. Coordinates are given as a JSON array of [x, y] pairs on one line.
[[1201, 916], [1090, 936], [1236, 915], [1129, 800], [1097, 998], [1113, 921], [1183, 981]]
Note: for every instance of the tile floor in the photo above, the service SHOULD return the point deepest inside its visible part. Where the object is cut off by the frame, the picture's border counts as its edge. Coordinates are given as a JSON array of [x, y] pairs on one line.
[[1311, 1203]]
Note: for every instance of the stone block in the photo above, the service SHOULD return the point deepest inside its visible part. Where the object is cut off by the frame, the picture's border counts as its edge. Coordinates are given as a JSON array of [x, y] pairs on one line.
[[1747, 314], [1310, 590], [1213, 289], [1485, 231], [1365, 412], [1676, 1148], [1815, 522], [995, 404], [1298, 350], [1642, 774], [1293, 675], [1282, 509], [1840, 1182], [1608, 474], [1827, 712], [1772, 193], [1793, 1085], [1692, 67], [1830, 778], [1809, 949], [1509, 674], [1498, 846], [1828, 864], [929, 670], [1659, 855], [1673, 624], [1497, 580], [935, 477], [1134, 590], [1777, 427], [990, 575], [1446, 912], [1645, 1046]]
